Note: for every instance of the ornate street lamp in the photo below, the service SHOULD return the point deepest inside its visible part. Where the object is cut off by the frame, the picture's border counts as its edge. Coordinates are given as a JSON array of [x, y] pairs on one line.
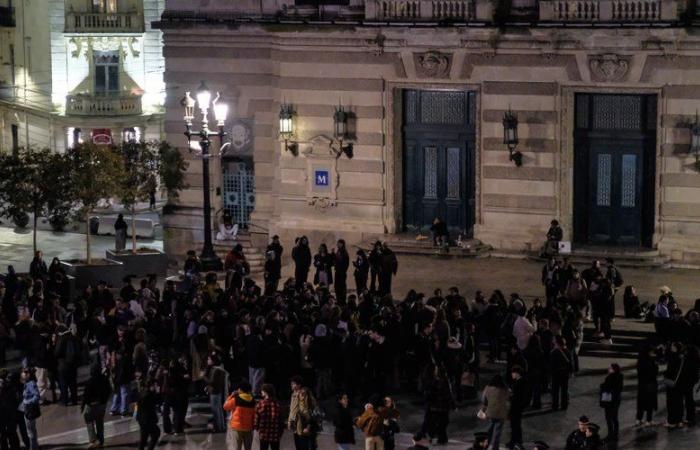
[[510, 136], [210, 261], [340, 131], [287, 128]]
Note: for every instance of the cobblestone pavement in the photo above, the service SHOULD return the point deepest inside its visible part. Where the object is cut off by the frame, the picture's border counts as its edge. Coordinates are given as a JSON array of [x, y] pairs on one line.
[[62, 428]]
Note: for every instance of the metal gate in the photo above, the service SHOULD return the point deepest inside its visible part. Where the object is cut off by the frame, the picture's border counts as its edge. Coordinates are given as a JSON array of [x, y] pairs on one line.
[[238, 192]]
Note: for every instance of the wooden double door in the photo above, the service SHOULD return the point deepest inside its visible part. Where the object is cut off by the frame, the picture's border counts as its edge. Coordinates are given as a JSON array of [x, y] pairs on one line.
[[615, 169], [438, 162]]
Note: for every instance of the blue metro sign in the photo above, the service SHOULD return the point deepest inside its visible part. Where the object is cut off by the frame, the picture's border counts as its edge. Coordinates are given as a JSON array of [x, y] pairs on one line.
[[321, 178]]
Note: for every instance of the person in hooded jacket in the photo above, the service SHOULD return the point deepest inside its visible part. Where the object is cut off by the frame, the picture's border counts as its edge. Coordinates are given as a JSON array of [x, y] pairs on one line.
[[241, 405], [610, 399], [301, 254]]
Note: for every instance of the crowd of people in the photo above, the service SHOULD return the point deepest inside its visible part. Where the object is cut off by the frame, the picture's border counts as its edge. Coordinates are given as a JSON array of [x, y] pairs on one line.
[[287, 358]]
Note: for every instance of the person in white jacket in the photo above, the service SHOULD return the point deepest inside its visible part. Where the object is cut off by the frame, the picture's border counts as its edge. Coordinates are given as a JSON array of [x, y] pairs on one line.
[[522, 330]]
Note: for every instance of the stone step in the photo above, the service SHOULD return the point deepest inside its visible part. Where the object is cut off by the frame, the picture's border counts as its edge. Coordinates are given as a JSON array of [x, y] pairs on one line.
[[621, 260], [407, 244]]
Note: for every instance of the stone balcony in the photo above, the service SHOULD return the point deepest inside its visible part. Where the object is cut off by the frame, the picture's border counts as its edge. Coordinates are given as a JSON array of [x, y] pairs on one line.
[[89, 23], [621, 11], [93, 105], [428, 10]]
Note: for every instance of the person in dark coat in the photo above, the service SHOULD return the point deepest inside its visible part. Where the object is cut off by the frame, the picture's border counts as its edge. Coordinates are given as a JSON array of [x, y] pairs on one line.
[[95, 396], [344, 434], [341, 263], [301, 254], [120, 227], [273, 272], [674, 389], [275, 267], [610, 399], [438, 229], [68, 353], [577, 438], [37, 268], [323, 262], [647, 386], [375, 263], [387, 269], [8, 421], [687, 382], [147, 415], [519, 400], [554, 235], [361, 265], [560, 369], [439, 402]]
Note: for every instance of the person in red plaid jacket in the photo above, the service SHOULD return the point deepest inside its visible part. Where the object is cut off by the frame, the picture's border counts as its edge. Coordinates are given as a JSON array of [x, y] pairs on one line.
[[268, 419]]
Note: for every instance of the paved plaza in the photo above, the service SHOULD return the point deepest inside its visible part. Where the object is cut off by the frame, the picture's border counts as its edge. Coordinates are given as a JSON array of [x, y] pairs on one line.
[[62, 427]]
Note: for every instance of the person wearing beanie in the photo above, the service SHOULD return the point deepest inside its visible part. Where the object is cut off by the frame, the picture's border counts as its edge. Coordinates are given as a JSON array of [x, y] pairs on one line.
[[241, 405]]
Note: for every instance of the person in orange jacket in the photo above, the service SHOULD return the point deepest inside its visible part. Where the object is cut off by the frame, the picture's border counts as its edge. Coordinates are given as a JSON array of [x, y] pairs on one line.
[[242, 407]]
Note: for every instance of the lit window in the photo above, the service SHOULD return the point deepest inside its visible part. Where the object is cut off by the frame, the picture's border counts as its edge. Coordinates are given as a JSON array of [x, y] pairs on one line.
[[106, 72], [104, 6]]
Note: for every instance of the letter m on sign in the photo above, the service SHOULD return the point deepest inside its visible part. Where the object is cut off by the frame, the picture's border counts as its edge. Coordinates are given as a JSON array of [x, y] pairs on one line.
[[321, 178]]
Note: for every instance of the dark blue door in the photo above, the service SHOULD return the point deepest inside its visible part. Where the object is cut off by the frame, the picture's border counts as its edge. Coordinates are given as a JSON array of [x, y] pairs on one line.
[[439, 159], [614, 173]]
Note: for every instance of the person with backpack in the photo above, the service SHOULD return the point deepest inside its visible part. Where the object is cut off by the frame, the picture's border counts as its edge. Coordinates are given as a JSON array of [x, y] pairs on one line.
[[560, 368], [303, 419], [241, 405], [216, 380]]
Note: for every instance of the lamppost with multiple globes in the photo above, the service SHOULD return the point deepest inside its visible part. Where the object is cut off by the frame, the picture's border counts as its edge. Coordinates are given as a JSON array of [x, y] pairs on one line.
[[210, 261]]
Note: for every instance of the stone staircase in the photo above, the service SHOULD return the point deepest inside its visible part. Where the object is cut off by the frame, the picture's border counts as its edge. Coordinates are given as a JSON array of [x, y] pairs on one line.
[[582, 256], [626, 343], [253, 255], [407, 244]]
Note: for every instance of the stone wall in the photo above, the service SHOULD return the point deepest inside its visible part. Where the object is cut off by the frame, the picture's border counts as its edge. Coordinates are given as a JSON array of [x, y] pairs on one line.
[[532, 71]]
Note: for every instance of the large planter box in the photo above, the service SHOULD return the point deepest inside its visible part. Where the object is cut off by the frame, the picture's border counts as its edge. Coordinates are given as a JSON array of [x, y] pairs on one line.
[[101, 269], [141, 263]]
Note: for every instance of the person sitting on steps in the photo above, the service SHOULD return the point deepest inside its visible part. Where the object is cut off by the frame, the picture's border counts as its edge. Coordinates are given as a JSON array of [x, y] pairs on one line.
[[441, 237], [228, 231], [554, 236]]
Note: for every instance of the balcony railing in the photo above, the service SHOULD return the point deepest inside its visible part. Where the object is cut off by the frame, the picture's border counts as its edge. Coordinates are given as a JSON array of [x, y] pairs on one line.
[[417, 10], [609, 10], [84, 22], [91, 105], [7, 16]]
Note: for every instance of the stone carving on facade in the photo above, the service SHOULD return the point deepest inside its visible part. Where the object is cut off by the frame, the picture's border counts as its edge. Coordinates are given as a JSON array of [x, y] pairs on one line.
[[377, 44], [609, 67], [322, 178], [433, 64], [125, 45], [241, 136], [322, 204]]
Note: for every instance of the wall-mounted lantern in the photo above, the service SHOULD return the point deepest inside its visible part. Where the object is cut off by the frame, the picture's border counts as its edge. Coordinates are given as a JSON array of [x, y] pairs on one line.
[[695, 141], [510, 136], [287, 128], [340, 131]]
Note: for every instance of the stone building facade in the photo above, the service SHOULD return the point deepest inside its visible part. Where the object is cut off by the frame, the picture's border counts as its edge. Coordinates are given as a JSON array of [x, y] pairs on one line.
[[605, 94], [79, 70]]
